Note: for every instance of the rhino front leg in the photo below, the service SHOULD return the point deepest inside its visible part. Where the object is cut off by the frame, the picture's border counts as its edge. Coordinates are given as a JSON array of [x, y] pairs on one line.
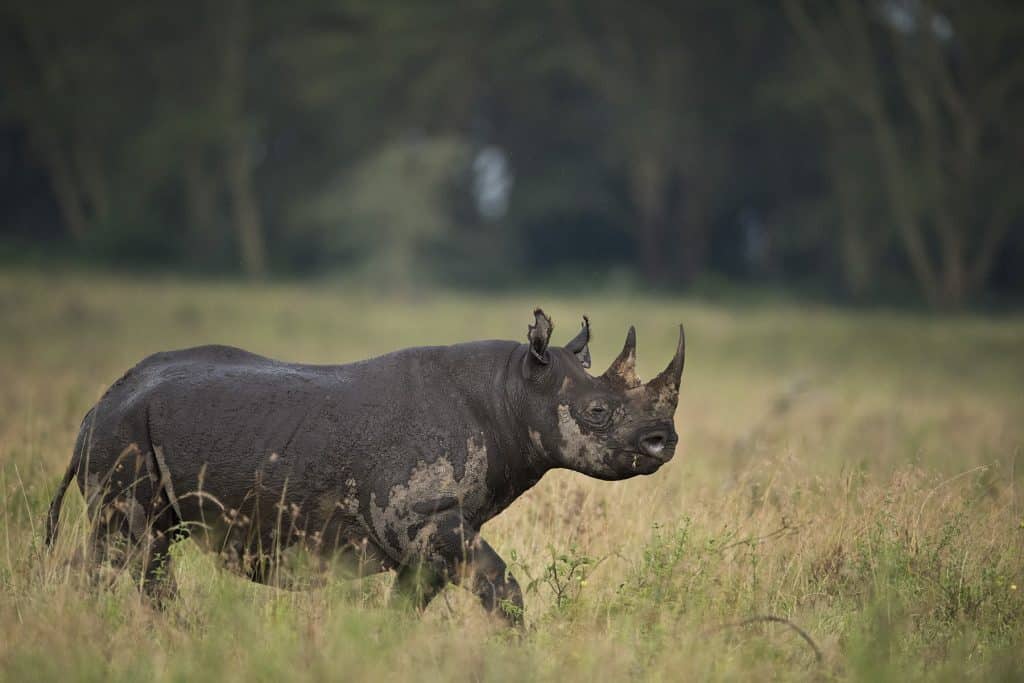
[[458, 555], [488, 577]]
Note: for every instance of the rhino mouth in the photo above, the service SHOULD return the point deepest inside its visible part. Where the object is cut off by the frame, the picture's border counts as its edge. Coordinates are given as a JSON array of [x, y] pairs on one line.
[[645, 463]]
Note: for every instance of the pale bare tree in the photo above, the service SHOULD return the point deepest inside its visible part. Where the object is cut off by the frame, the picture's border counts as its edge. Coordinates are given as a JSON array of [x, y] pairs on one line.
[[238, 163], [938, 105]]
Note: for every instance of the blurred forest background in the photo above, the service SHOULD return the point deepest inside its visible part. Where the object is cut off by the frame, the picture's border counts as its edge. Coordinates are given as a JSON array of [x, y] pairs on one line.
[[863, 150]]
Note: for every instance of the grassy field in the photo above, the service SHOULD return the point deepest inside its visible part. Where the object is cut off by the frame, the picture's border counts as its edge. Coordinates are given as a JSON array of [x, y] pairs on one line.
[[855, 473]]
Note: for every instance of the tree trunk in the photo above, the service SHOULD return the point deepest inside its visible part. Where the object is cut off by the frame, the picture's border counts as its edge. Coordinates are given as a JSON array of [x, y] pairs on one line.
[[650, 252], [857, 257], [200, 204], [89, 166], [646, 186], [692, 245], [65, 188], [954, 273], [998, 225], [905, 217], [245, 211]]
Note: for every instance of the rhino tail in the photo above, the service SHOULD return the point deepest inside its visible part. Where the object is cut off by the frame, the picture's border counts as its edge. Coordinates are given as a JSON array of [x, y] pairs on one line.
[[81, 445]]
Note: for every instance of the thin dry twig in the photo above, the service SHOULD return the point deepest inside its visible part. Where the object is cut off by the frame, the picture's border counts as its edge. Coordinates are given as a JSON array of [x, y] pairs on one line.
[[785, 529], [920, 511], [771, 618]]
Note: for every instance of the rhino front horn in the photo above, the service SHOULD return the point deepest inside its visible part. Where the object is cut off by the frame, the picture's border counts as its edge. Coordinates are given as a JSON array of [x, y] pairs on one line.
[[623, 368], [671, 376]]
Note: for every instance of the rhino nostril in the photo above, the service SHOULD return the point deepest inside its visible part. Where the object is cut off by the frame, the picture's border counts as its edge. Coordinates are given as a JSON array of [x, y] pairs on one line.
[[653, 444]]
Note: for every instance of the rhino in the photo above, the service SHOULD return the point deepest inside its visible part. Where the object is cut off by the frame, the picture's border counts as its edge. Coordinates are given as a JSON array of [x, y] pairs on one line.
[[393, 463]]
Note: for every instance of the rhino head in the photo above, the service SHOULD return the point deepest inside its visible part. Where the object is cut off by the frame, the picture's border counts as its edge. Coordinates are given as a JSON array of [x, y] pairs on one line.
[[610, 427]]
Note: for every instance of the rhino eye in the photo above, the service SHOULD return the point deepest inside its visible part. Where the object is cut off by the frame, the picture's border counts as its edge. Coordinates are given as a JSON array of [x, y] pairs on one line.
[[597, 412]]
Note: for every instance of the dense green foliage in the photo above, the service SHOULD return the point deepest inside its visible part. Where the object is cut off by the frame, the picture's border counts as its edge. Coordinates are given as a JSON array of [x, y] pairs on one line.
[[863, 147], [856, 473]]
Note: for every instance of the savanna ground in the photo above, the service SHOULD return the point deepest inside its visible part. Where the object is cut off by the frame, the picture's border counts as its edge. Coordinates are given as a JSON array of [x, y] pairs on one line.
[[856, 473]]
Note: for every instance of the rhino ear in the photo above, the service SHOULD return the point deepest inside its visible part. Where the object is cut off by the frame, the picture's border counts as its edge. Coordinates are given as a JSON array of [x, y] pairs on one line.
[[539, 335], [579, 346]]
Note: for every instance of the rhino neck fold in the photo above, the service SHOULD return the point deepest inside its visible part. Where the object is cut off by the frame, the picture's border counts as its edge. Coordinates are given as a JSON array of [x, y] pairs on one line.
[[521, 464]]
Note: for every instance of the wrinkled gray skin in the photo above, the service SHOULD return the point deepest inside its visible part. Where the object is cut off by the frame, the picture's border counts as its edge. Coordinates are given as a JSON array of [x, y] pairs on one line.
[[390, 463]]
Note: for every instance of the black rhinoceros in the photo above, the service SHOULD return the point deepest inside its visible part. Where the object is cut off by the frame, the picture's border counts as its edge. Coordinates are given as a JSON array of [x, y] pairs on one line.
[[389, 463]]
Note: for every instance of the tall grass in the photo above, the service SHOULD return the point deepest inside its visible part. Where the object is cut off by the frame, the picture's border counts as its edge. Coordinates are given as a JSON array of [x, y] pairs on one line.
[[854, 473]]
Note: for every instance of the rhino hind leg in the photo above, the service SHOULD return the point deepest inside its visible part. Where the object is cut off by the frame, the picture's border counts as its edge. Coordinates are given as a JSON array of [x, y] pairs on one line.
[[158, 583], [122, 539], [109, 542], [132, 525]]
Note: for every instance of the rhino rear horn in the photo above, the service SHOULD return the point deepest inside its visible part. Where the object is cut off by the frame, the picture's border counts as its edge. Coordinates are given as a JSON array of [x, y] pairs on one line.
[[671, 376], [623, 368], [579, 346]]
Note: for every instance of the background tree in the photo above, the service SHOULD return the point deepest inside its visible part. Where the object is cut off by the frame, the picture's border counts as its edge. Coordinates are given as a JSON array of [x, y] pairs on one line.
[[933, 91], [835, 146]]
